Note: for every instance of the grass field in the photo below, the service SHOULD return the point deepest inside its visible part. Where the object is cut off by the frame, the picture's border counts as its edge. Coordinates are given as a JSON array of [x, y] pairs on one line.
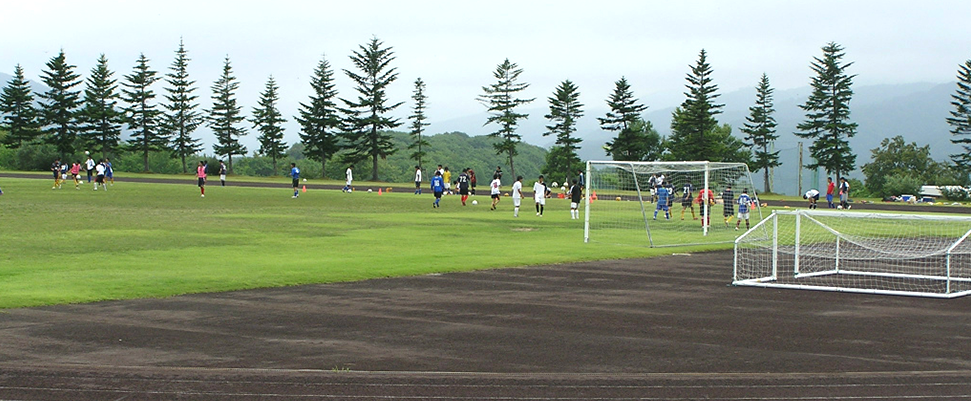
[[157, 240]]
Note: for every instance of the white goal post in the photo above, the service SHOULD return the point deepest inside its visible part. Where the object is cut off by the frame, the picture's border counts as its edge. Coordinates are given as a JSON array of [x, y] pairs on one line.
[[877, 253], [621, 204]]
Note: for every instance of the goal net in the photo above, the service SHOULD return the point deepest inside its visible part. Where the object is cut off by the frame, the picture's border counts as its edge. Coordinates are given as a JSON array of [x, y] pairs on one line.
[[622, 198], [896, 254]]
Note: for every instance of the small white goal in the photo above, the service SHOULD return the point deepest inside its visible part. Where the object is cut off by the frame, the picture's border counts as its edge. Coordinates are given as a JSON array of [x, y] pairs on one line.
[[880, 253]]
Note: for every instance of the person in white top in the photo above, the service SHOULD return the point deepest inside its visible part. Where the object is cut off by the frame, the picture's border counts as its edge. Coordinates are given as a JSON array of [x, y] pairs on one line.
[[89, 165], [517, 195], [350, 179], [417, 180], [494, 190], [813, 196], [100, 179], [539, 195]]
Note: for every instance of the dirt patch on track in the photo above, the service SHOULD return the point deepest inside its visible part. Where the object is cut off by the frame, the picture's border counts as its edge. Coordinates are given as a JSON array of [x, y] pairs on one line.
[[663, 328]]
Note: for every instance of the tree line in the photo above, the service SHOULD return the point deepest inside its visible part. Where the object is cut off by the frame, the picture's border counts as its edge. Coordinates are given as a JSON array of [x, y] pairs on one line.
[[359, 129]]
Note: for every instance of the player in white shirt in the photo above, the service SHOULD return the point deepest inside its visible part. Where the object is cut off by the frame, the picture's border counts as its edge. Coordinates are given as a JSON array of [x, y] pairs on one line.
[[812, 195], [517, 195], [539, 195], [417, 180], [494, 190], [350, 179], [100, 178]]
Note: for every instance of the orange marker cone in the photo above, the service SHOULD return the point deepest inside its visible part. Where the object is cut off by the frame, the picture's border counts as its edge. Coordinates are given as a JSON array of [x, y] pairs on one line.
[[304, 188], [379, 191]]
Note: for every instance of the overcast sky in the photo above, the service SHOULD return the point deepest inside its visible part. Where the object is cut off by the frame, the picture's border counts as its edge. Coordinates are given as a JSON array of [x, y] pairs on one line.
[[454, 46]]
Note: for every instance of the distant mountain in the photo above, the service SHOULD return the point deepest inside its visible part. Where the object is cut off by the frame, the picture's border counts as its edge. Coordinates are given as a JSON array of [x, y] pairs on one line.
[[915, 111], [35, 86]]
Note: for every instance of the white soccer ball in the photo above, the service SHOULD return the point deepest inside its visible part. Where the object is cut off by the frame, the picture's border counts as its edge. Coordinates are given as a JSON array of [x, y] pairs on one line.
[[304, 180], [839, 207], [555, 184], [87, 153], [475, 202], [369, 189]]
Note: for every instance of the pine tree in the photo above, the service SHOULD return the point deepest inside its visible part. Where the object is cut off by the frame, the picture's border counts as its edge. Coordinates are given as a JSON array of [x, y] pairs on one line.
[[181, 118], [694, 123], [418, 123], [319, 121], [828, 113], [634, 135], [269, 122], [59, 110], [143, 116], [502, 103], [366, 118], [960, 119], [759, 130], [100, 117], [624, 108], [225, 115], [19, 114], [565, 110]]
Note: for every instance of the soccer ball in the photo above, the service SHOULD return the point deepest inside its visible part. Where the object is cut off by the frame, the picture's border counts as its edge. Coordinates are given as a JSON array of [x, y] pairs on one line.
[[839, 207], [475, 202], [555, 184], [86, 153], [304, 180], [369, 189]]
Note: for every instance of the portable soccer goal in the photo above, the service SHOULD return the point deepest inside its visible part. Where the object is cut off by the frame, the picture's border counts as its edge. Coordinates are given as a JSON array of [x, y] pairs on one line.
[[879, 253], [621, 201]]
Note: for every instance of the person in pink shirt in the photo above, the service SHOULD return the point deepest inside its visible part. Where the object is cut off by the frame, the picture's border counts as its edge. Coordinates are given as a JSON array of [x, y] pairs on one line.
[[201, 174], [75, 172]]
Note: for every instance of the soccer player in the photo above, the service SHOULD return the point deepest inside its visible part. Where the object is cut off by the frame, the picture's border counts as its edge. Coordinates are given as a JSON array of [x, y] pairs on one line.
[[498, 172], [812, 195], [201, 175], [438, 186], [744, 204], [89, 165], [652, 184], [830, 188], [222, 173], [687, 200], [579, 179], [349, 179], [417, 180], [109, 172], [539, 195], [463, 183], [494, 190], [576, 194], [295, 173], [56, 168], [447, 177], [728, 199], [100, 177], [472, 181], [662, 202], [76, 174], [517, 195], [844, 193], [705, 200]]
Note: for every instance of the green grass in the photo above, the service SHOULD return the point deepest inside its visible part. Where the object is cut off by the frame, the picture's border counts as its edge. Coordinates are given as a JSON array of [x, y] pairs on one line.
[[143, 240]]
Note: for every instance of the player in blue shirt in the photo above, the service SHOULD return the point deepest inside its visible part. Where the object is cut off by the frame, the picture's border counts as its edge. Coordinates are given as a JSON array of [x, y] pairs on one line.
[[662, 202], [744, 203], [438, 186], [295, 173]]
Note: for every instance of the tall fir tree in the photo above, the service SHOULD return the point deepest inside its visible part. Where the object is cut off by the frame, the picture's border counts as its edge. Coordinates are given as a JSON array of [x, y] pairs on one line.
[[418, 122], [960, 119], [268, 120], [225, 115], [634, 136], [827, 110], [693, 122], [101, 119], [181, 118], [60, 104], [366, 119], [19, 115], [319, 120], [143, 115], [565, 110], [759, 130], [501, 100]]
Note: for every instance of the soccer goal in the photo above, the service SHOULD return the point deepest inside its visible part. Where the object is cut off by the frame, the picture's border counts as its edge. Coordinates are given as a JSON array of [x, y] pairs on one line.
[[622, 198], [880, 253]]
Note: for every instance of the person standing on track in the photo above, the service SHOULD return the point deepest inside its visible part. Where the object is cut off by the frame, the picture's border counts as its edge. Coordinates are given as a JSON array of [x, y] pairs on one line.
[[201, 175]]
